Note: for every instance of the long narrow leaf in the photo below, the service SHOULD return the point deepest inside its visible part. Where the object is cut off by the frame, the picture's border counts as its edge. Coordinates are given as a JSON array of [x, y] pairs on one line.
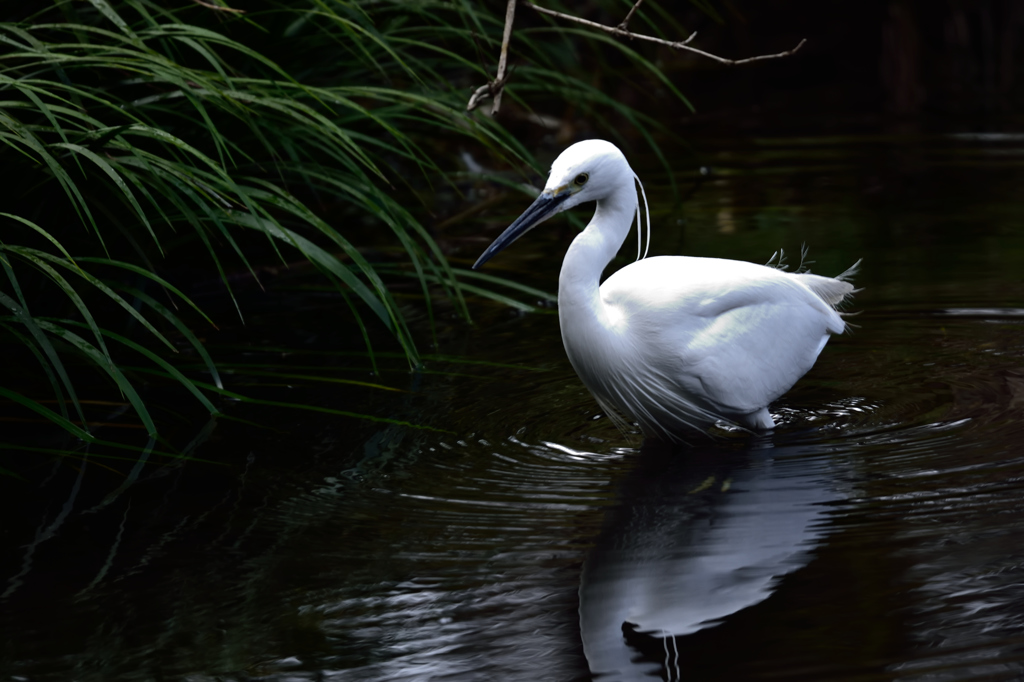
[[46, 412], [25, 318], [114, 371]]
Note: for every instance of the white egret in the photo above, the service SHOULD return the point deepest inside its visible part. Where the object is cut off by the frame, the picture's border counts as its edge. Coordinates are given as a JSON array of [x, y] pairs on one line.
[[674, 342]]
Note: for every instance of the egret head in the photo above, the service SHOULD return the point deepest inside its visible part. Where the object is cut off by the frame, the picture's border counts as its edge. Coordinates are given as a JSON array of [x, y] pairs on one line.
[[586, 171]]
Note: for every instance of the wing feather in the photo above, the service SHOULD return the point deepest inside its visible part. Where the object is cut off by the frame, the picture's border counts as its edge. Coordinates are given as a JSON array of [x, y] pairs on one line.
[[733, 335]]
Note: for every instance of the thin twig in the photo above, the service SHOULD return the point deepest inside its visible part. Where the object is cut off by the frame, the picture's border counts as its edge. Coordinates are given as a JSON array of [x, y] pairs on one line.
[[478, 95], [219, 8], [510, 15], [487, 90], [678, 45], [495, 87], [624, 26]]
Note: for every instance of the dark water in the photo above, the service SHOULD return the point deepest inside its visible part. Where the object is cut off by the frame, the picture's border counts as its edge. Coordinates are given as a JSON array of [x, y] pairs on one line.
[[877, 534]]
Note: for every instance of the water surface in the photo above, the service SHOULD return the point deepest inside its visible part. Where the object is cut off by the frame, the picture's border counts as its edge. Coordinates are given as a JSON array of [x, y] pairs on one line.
[[877, 534]]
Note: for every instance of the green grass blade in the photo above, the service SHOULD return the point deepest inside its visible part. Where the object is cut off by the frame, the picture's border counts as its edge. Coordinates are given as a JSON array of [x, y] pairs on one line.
[[157, 360], [182, 329], [47, 413], [113, 371], [23, 316]]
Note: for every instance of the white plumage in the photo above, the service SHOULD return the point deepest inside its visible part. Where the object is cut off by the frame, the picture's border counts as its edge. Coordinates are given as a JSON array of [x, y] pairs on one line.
[[674, 342]]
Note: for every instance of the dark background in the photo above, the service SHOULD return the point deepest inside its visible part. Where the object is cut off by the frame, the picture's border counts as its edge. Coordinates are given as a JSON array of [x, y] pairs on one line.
[[868, 65]]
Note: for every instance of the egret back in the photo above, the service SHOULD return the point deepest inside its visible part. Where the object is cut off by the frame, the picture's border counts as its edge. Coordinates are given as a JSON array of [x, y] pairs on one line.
[[683, 342]]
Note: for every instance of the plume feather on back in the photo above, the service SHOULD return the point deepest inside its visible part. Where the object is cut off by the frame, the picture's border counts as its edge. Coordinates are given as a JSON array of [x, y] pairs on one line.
[[832, 290]]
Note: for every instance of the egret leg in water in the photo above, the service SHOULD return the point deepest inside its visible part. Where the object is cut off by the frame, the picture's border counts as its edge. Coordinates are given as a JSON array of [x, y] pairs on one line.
[[674, 342]]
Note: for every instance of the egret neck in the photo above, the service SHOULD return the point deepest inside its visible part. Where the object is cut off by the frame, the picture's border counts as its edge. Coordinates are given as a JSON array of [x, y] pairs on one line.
[[579, 297]]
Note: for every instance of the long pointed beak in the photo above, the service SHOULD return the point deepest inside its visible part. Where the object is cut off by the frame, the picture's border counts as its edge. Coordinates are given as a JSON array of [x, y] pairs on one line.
[[545, 206]]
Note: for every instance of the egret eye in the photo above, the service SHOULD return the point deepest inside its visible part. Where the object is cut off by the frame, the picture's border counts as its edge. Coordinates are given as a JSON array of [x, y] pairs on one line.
[[581, 179]]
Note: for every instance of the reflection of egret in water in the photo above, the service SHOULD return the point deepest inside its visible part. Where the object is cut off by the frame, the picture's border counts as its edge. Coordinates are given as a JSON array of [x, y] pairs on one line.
[[699, 536]]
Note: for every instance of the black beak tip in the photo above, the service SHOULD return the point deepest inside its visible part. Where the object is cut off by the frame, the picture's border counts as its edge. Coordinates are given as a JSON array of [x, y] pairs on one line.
[[540, 210]]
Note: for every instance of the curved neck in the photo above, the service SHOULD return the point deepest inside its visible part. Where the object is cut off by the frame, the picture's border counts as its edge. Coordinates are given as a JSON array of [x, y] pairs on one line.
[[594, 248]]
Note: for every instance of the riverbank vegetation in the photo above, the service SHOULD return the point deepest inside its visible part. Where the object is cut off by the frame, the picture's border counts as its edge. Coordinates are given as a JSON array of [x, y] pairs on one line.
[[150, 151]]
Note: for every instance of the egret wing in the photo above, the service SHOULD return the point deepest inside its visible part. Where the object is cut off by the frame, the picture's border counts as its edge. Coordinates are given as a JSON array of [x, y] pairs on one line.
[[736, 335]]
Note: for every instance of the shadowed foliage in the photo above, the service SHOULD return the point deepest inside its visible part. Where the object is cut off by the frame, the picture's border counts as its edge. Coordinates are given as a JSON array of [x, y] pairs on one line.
[[140, 143]]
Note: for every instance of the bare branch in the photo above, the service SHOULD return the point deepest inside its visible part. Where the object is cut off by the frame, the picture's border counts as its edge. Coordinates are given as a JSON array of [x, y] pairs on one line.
[[625, 22], [496, 87], [488, 90], [678, 45], [481, 93], [510, 15]]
